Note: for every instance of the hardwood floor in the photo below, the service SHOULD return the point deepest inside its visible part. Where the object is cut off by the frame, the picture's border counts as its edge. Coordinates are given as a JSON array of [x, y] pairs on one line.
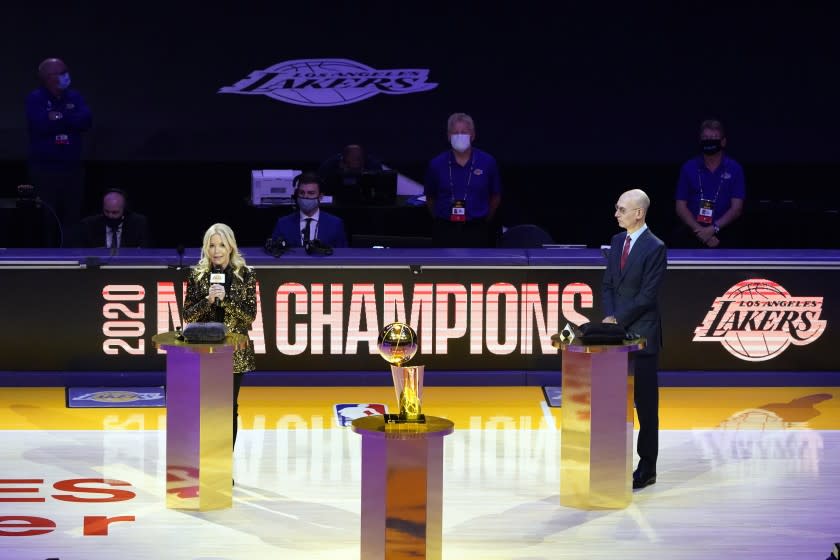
[[743, 473]]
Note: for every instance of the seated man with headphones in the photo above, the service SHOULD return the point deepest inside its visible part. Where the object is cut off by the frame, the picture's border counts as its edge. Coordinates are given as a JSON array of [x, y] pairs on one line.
[[116, 226], [310, 227]]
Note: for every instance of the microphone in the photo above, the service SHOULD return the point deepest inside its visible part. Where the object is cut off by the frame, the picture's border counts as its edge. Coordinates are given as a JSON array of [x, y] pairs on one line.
[[217, 277], [180, 250]]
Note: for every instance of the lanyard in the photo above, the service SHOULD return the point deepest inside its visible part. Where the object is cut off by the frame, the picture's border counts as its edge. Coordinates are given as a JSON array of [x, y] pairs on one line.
[[700, 182], [469, 177]]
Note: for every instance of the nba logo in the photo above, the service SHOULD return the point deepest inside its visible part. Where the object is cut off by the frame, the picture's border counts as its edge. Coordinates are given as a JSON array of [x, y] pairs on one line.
[[345, 413]]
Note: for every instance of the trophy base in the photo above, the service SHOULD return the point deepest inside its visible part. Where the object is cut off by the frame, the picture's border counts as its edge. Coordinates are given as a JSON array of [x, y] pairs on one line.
[[400, 419]]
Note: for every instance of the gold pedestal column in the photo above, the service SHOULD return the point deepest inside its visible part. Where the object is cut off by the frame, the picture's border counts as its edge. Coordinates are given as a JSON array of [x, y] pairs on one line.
[[596, 435], [402, 488], [199, 412]]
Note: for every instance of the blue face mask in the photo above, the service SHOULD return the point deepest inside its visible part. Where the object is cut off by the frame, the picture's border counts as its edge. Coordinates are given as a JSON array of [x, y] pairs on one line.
[[307, 205], [64, 80], [460, 142]]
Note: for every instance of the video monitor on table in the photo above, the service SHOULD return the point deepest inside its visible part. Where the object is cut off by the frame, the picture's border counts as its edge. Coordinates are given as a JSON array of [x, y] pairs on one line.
[[368, 188]]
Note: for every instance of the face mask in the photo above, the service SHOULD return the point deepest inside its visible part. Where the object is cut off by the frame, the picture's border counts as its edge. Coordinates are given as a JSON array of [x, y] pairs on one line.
[[711, 146], [460, 142], [113, 222], [64, 80], [307, 205]]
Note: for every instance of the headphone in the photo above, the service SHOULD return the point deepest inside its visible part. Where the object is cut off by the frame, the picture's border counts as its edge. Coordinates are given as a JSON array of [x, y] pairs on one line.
[[295, 183], [116, 190], [124, 195], [275, 246], [119, 191], [318, 248]]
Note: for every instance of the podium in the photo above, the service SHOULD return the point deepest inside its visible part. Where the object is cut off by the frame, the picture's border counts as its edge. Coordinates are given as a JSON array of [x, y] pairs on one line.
[[596, 435], [402, 487], [199, 409]]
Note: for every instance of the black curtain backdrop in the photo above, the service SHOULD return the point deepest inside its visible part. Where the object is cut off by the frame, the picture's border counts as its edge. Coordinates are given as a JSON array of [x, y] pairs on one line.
[[576, 100]]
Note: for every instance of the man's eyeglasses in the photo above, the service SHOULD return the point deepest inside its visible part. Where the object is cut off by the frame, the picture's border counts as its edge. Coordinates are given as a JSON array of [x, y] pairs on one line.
[[622, 210]]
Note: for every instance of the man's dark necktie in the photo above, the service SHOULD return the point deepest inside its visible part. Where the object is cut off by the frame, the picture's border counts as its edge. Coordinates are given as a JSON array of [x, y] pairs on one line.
[[307, 231], [625, 252], [115, 242]]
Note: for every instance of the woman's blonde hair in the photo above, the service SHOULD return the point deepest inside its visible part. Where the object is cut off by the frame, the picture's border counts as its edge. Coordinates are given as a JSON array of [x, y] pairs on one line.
[[237, 262]]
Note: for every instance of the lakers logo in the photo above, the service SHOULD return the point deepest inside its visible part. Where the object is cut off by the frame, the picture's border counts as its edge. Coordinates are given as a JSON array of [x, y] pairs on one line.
[[327, 82], [117, 396], [757, 319]]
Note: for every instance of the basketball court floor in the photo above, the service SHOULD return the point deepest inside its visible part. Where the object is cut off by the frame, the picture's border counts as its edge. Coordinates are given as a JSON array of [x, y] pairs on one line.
[[750, 473]]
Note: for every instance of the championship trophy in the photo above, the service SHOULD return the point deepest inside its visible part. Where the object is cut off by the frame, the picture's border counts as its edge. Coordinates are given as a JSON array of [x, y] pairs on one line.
[[397, 344]]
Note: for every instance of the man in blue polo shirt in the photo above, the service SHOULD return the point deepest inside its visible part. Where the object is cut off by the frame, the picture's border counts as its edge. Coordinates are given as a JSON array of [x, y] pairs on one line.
[[463, 189], [57, 117], [710, 191]]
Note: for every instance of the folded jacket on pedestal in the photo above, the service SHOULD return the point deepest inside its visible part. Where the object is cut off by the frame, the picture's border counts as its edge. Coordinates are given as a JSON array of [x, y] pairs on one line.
[[603, 333], [204, 332]]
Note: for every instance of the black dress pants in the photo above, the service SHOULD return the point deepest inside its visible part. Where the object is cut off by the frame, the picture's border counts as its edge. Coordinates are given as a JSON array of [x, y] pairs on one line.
[[237, 384], [646, 395]]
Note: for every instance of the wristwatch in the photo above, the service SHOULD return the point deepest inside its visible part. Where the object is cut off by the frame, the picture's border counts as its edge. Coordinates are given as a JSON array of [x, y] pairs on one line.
[[717, 228]]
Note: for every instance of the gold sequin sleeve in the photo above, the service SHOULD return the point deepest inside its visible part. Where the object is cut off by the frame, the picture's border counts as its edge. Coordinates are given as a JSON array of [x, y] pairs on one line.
[[240, 310], [196, 307], [241, 305]]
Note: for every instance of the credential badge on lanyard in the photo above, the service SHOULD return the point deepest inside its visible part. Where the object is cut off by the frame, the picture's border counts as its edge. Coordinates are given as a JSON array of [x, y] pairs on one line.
[[458, 209], [706, 212]]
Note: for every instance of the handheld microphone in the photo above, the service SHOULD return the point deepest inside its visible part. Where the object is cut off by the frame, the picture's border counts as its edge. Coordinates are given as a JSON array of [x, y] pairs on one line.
[[217, 277]]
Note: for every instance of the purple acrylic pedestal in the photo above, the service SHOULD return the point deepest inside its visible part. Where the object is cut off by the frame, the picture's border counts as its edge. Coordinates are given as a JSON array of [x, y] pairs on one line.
[[402, 487], [199, 408], [596, 435]]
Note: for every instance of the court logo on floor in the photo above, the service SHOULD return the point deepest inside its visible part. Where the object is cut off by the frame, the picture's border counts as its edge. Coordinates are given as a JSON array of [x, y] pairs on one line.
[[553, 396], [345, 413], [121, 397]]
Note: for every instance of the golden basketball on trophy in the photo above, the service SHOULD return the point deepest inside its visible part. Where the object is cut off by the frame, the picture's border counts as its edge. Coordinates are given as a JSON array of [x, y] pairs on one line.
[[397, 344]]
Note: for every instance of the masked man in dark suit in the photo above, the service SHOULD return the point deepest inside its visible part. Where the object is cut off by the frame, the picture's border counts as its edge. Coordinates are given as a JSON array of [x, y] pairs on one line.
[[635, 270], [116, 226], [310, 223]]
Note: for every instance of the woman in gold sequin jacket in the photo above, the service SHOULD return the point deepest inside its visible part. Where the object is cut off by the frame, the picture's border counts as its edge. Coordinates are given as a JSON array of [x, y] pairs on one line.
[[232, 301]]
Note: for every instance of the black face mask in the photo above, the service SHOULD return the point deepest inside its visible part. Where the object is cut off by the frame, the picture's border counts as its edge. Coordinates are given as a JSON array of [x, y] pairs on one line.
[[113, 222], [711, 146]]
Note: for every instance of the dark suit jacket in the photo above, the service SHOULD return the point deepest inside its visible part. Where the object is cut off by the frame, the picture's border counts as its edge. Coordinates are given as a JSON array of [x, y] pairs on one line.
[[135, 231], [632, 295], [330, 230]]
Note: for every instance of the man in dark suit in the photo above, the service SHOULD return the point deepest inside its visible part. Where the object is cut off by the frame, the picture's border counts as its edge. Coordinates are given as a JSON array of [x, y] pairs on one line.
[[352, 161], [635, 270], [116, 226], [310, 224]]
